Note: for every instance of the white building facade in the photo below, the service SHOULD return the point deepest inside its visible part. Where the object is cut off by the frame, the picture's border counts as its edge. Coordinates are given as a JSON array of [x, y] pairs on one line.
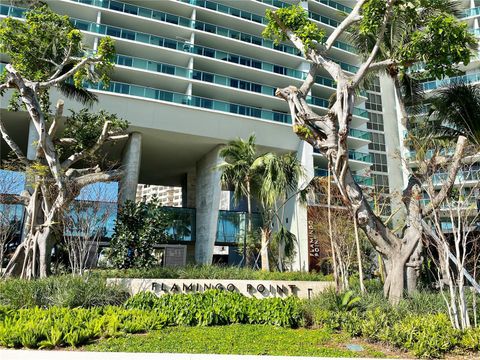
[[192, 75]]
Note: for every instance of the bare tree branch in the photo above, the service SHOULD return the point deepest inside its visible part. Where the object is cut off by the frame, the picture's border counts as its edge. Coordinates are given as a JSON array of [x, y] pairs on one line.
[[14, 199], [380, 37], [71, 72], [450, 181], [104, 176], [84, 153]]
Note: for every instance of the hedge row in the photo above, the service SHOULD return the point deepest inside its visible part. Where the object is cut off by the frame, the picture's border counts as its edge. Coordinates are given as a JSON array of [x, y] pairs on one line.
[[215, 307]]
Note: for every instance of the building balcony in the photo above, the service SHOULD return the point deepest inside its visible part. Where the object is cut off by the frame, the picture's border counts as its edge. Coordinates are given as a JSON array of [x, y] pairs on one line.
[[473, 12], [361, 180], [436, 84]]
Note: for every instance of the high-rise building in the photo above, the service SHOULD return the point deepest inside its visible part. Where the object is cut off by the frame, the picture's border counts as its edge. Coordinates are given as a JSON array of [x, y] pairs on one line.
[[190, 76], [166, 195]]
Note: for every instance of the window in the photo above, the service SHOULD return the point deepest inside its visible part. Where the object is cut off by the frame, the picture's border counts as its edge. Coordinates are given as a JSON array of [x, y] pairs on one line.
[[378, 142], [376, 121], [379, 162]]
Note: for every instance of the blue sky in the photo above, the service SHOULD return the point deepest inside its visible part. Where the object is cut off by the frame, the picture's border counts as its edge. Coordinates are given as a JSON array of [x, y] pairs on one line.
[[13, 182]]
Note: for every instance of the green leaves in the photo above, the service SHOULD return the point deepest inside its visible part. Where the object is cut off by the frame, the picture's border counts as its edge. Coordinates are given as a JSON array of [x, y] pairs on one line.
[[441, 44], [139, 226], [47, 43], [86, 127], [296, 19]]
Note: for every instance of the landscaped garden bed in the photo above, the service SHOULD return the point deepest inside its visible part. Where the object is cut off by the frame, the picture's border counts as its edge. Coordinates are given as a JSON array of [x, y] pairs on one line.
[[84, 312]]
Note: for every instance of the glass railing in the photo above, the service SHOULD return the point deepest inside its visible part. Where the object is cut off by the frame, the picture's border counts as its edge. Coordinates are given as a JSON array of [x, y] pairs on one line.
[[468, 78], [249, 16], [227, 10], [12, 11], [181, 223], [170, 69], [475, 32], [186, 22], [98, 28], [360, 179], [218, 79], [360, 134], [412, 155], [276, 3], [186, 47], [462, 176], [232, 226], [323, 19], [360, 156], [335, 5], [471, 12], [205, 103]]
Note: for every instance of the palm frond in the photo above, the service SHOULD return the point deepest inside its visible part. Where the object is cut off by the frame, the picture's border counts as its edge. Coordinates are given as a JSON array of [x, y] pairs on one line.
[[83, 96]]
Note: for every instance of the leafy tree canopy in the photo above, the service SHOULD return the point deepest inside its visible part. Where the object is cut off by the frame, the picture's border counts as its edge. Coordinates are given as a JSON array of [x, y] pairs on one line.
[[417, 31], [38, 46], [85, 128], [295, 18], [424, 31]]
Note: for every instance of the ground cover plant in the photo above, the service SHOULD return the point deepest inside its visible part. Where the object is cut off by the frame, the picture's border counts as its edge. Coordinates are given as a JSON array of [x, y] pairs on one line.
[[212, 272], [237, 339], [74, 311]]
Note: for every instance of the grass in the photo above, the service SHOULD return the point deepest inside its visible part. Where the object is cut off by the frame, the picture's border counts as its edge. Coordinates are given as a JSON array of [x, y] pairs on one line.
[[236, 339], [211, 272]]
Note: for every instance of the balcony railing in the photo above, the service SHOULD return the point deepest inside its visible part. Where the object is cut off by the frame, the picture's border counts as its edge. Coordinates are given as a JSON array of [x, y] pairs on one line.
[[471, 12], [360, 179], [355, 155], [360, 156], [335, 5], [468, 78], [462, 176], [193, 24], [195, 101]]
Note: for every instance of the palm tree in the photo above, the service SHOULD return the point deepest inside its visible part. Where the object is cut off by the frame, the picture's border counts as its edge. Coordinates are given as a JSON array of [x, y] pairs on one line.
[[456, 112], [237, 174], [275, 176]]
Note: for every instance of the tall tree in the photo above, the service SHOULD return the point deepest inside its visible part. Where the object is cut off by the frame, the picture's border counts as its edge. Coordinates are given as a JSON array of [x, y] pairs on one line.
[[437, 39], [237, 174], [276, 176], [46, 51]]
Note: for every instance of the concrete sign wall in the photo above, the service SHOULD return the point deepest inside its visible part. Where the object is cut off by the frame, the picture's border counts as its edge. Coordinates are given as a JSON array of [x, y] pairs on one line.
[[250, 288]]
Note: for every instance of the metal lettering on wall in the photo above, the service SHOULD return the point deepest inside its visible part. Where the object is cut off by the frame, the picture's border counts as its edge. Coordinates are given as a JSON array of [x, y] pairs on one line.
[[278, 290], [250, 288], [313, 244]]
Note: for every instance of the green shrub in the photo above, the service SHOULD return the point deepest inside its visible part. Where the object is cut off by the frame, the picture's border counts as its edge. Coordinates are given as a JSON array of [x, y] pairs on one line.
[[64, 291], [470, 340], [215, 307], [56, 327], [212, 272]]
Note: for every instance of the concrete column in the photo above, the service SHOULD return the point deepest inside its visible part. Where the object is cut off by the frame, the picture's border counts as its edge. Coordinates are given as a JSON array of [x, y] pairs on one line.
[[295, 217], [132, 154], [207, 199]]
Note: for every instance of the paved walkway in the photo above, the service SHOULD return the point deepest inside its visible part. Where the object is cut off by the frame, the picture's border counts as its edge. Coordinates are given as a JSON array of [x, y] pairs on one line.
[[80, 355]]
